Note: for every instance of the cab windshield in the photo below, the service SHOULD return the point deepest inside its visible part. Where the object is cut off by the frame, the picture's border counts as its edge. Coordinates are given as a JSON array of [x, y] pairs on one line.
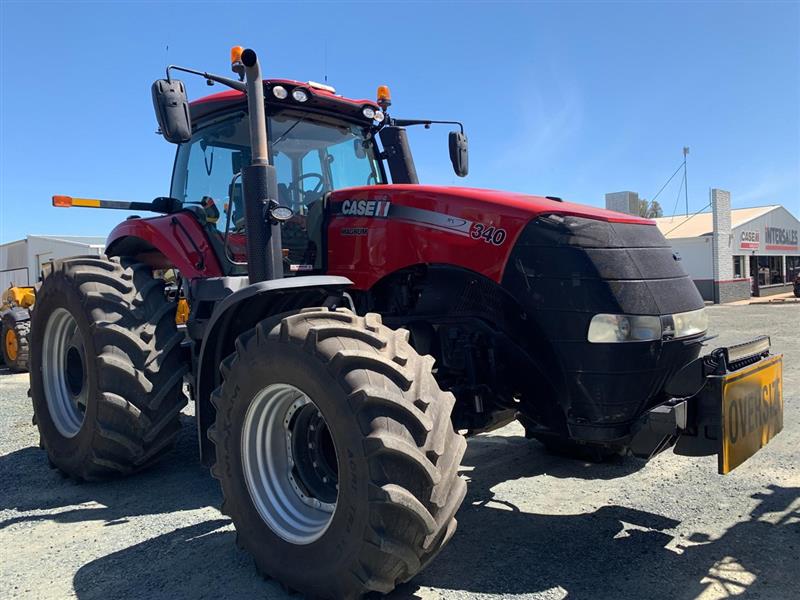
[[312, 156]]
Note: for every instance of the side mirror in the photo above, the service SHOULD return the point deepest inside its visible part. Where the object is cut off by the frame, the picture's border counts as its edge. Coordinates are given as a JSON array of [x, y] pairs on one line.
[[459, 153], [172, 110]]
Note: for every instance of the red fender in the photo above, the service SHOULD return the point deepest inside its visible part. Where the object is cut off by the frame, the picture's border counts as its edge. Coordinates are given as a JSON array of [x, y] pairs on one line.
[[166, 241]]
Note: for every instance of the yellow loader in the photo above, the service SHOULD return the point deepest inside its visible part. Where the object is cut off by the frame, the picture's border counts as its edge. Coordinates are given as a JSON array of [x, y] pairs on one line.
[[15, 305]]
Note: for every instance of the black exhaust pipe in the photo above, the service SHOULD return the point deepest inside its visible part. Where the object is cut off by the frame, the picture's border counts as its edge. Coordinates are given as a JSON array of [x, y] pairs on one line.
[[264, 254]]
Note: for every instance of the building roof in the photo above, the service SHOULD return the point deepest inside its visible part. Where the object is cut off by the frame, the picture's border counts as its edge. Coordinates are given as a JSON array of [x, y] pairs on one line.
[[680, 226], [82, 240]]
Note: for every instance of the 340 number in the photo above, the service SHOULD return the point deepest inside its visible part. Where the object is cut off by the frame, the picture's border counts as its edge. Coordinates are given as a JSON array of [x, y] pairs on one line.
[[488, 234]]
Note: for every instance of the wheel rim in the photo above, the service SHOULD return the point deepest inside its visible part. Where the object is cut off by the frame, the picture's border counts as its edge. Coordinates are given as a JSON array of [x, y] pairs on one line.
[[11, 345], [289, 463], [64, 372]]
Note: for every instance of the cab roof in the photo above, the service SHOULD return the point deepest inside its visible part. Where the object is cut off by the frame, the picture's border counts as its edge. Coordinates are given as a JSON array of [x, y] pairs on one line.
[[318, 99]]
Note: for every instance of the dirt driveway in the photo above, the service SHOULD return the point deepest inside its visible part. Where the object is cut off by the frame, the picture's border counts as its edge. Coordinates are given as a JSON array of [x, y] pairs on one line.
[[532, 526]]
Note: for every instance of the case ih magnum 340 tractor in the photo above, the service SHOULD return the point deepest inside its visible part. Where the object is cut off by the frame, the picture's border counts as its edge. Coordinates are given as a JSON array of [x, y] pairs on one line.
[[344, 332]]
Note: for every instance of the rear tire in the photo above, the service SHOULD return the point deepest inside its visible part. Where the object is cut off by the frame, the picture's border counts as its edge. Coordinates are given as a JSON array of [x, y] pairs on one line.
[[396, 454], [106, 367], [16, 351]]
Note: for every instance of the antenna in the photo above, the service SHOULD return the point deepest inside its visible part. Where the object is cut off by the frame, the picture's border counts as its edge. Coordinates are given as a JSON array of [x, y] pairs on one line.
[[325, 67]]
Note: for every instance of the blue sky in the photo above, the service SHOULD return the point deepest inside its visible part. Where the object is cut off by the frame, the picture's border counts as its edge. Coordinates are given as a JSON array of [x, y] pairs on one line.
[[566, 99]]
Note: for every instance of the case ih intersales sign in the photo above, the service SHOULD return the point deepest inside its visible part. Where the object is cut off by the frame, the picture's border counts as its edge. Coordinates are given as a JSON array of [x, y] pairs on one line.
[[776, 238], [774, 233]]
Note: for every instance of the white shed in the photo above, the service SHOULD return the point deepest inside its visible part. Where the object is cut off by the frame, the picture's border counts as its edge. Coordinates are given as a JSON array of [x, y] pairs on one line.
[[21, 261]]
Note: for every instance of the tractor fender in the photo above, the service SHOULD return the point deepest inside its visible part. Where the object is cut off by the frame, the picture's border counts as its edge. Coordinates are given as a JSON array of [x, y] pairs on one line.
[[176, 240], [239, 312]]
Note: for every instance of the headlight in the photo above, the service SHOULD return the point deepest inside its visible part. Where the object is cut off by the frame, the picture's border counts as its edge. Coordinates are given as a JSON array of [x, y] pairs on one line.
[[299, 95], [609, 329], [279, 92], [606, 329], [368, 112], [687, 323]]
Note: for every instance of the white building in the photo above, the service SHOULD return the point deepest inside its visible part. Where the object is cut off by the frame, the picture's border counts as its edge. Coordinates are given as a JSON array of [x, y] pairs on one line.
[[732, 253], [21, 261]]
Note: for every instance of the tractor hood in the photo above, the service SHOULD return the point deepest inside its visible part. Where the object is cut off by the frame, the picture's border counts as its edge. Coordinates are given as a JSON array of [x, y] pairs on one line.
[[391, 227], [456, 200]]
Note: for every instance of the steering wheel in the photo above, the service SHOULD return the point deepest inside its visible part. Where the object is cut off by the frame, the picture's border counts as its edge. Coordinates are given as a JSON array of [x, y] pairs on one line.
[[316, 190]]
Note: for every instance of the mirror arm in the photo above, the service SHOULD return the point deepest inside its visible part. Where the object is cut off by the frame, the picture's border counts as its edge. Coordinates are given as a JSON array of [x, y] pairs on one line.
[[425, 122], [231, 83]]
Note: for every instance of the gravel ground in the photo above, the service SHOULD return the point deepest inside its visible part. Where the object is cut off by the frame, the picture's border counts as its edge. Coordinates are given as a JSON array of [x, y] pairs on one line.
[[533, 525]]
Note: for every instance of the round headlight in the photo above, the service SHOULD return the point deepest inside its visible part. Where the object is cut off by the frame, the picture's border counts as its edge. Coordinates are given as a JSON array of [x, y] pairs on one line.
[[280, 92], [368, 112], [379, 116], [281, 213], [299, 95]]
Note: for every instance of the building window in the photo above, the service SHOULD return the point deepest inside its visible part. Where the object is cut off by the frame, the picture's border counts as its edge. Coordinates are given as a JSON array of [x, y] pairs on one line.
[[769, 269], [738, 267], [792, 268]]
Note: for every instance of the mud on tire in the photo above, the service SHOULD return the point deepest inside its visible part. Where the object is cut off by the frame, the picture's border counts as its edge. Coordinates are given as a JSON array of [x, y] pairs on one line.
[[106, 367], [396, 452]]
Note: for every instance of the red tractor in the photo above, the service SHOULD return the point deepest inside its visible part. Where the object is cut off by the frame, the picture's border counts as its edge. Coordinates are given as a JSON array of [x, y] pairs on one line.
[[344, 331]]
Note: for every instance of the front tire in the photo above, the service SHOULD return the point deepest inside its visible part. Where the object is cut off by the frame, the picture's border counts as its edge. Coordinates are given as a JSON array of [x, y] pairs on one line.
[[388, 448], [106, 367]]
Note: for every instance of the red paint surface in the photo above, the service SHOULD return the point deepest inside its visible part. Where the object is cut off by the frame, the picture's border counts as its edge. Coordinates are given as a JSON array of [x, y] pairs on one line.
[[234, 95], [392, 244], [171, 240]]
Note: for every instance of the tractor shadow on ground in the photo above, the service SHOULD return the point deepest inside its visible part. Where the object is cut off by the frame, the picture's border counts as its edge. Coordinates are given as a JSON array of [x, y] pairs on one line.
[[179, 482], [613, 552]]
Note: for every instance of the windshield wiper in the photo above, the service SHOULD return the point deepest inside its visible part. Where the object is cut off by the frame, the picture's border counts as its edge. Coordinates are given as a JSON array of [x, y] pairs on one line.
[[288, 131]]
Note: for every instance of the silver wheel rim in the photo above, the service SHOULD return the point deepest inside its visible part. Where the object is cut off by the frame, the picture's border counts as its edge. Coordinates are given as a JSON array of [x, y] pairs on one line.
[[64, 372], [270, 468]]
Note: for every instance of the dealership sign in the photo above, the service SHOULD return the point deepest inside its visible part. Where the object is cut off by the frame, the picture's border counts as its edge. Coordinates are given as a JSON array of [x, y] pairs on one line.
[[779, 238], [749, 240]]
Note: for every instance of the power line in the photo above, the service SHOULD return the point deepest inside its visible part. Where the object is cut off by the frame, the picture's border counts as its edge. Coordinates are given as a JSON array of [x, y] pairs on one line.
[[687, 219]]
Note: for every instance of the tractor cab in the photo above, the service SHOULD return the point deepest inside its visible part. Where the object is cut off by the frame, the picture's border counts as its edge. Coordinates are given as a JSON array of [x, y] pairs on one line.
[[318, 143]]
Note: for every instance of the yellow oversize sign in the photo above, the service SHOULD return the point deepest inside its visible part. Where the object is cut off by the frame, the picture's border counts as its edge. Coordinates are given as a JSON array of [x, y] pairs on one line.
[[752, 411]]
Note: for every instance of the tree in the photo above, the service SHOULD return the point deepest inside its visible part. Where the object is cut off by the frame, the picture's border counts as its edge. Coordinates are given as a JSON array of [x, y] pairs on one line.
[[650, 210]]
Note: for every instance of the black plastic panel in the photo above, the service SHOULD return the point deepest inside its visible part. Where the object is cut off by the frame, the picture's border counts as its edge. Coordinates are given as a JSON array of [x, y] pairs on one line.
[[563, 273]]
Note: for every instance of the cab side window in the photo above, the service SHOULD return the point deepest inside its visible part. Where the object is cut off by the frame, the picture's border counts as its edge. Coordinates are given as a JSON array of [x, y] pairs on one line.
[[205, 167]]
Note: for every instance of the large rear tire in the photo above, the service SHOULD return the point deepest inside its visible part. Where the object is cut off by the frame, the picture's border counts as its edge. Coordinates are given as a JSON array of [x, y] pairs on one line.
[[16, 351], [106, 367], [336, 454]]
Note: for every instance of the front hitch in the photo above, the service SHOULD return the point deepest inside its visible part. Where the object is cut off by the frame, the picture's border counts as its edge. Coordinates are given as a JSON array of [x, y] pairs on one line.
[[728, 403]]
